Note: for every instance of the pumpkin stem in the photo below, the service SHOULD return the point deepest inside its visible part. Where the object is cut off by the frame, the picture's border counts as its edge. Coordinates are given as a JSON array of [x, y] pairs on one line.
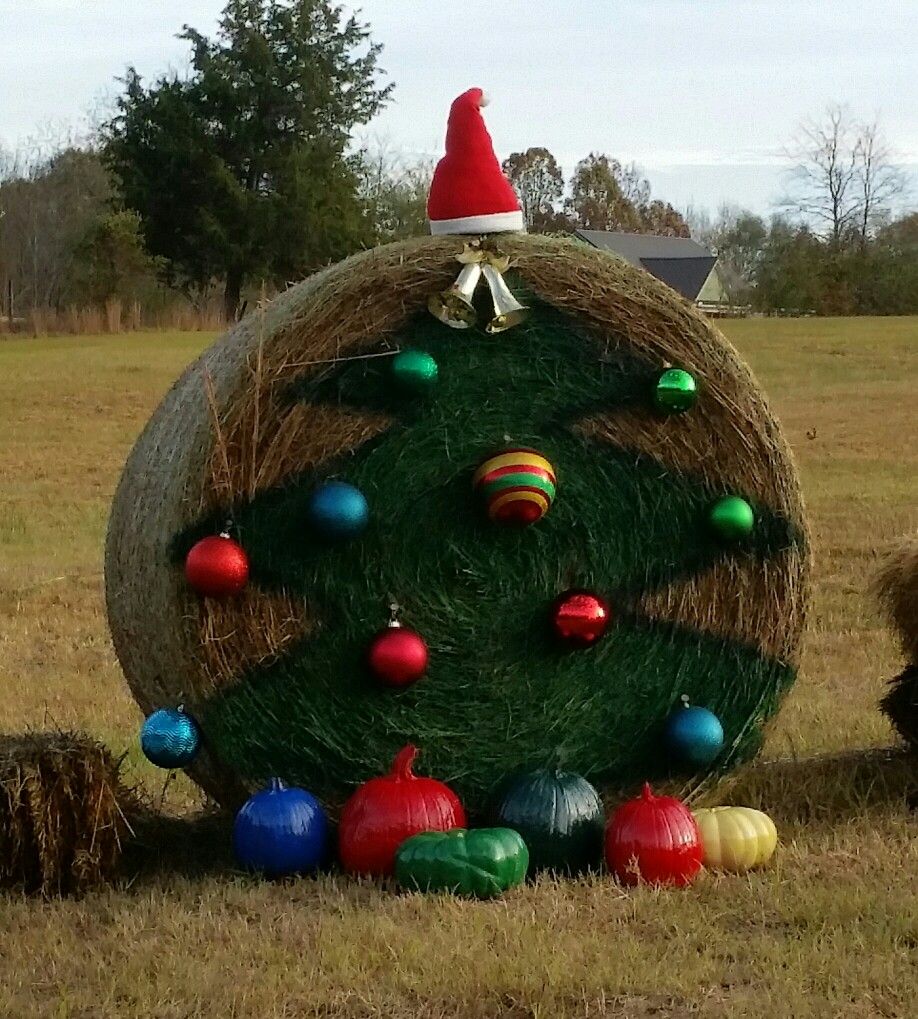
[[276, 785], [401, 766], [647, 794]]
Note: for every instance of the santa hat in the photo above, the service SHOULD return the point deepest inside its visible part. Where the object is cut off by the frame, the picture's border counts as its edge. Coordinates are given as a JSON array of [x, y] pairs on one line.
[[469, 193]]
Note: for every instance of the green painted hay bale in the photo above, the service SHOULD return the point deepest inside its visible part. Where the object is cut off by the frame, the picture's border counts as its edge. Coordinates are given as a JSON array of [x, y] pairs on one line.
[[275, 676]]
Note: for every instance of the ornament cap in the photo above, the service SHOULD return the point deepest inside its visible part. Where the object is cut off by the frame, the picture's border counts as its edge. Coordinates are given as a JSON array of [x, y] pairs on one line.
[[684, 699], [276, 785], [647, 793], [402, 764]]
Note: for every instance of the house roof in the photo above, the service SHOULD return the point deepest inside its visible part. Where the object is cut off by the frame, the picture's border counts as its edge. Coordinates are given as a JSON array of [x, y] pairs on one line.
[[680, 262]]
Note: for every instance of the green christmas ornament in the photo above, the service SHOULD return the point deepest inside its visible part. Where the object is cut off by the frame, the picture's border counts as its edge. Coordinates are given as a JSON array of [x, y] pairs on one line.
[[676, 391], [731, 518], [415, 371], [481, 863]]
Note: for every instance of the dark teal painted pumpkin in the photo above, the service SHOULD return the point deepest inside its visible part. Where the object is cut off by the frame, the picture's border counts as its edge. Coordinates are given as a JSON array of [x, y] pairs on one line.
[[480, 863], [560, 816]]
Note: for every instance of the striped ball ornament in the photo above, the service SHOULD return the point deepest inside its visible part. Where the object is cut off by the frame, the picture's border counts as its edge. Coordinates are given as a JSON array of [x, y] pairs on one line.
[[517, 486]]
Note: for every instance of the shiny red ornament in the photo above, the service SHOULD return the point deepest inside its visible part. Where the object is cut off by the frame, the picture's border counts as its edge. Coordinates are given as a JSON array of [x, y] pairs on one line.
[[217, 567], [579, 618], [398, 656], [653, 839], [385, 811]]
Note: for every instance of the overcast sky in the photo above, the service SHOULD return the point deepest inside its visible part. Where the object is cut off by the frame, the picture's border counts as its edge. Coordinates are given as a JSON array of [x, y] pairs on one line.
[[703, 94]]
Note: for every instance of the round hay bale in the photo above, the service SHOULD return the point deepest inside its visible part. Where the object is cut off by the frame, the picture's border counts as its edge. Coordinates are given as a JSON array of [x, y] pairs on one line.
[[895, 586], [293, 396]]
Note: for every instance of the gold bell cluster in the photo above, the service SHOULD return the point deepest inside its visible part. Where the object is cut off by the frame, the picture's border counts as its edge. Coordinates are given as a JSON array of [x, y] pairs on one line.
[[455, 305]]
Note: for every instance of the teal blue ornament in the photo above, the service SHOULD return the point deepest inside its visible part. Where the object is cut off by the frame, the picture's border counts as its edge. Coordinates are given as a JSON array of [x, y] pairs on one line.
[[676, 391], [731, 518], [415, 371], [338, 511], [170, 738], [694, 735]]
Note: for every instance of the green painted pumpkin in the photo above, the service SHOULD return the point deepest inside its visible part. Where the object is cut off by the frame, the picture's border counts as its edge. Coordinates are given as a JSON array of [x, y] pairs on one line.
[[560, 816], [480, 863]]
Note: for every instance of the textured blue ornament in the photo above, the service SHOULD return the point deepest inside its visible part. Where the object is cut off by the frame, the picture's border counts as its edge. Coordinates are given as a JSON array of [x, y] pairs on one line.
[[338, 511], [281, 831], [694, 735], [170, 738]]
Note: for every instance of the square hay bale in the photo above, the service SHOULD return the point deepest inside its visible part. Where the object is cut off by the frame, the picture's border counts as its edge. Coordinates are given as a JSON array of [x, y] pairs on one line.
[[62, 813]]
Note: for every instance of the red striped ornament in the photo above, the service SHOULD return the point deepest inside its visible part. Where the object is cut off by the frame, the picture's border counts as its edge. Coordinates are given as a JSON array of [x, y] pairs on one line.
[[517, 485]]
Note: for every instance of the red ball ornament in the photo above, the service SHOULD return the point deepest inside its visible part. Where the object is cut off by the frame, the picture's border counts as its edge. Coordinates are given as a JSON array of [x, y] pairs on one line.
[[579, 618], [385, 811], [217, 567], [653, 839], [397, 655]]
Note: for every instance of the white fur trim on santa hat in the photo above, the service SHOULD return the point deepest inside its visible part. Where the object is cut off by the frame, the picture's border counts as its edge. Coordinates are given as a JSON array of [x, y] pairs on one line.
[[496, 222]]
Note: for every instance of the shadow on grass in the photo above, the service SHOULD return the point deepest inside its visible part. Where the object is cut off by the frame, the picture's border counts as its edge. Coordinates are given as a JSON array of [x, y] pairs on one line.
[[833, 786], [197, 846]]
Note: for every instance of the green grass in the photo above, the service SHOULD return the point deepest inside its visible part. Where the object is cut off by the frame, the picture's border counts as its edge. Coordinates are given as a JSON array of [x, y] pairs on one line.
[[831, 929]]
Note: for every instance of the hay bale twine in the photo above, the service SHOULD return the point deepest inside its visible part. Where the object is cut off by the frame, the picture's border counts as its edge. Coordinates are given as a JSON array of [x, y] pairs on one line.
[[275, 677], [895, 586], [62, 813]]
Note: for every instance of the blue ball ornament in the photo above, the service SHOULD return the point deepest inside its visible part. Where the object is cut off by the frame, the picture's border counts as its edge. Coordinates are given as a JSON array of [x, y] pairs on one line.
[[281, 831], [338, 511], [170, 738], [694, 735]]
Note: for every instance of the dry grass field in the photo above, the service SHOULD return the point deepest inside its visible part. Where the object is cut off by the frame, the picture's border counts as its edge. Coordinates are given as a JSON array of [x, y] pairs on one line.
[[831, 929]]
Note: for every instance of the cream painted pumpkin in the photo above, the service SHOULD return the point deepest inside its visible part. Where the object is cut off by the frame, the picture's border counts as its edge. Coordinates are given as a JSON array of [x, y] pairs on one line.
[[736, 838]]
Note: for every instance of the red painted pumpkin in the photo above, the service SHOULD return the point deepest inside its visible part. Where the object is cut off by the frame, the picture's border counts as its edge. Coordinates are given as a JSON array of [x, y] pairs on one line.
[[385, 811], [653, 839]]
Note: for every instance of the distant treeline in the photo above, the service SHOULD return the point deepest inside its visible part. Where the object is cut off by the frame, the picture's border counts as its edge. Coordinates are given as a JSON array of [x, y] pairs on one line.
[[204, 191]]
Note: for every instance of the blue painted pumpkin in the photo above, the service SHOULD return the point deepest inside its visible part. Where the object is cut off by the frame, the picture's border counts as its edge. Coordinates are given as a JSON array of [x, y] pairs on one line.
[[281, 831], [170, 738]]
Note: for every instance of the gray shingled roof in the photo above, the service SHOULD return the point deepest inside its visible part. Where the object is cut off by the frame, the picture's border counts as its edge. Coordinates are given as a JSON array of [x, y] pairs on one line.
[[680, 262]]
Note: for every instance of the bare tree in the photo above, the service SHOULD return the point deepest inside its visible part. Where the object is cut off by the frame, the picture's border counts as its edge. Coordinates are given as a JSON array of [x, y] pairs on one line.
[[843, 181], [394, 191], [47, 204], [539, 183], [879, 182]]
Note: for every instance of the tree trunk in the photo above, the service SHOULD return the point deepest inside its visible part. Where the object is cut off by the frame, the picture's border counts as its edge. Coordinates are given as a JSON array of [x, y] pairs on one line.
[[232, 294]]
